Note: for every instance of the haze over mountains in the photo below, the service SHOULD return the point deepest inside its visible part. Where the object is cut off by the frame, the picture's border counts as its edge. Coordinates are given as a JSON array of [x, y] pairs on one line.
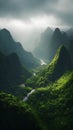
[[45, 49], [50, 41], [8, 46]]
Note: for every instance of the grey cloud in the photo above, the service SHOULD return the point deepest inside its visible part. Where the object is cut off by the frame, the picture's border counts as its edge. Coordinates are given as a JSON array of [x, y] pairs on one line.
[[24, 7], [66, 13], [27, 8]]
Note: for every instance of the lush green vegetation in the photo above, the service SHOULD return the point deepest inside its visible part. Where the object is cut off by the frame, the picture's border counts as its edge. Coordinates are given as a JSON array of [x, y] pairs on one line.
[[14, 114], [58, 66], [54, 103], [17, 90]]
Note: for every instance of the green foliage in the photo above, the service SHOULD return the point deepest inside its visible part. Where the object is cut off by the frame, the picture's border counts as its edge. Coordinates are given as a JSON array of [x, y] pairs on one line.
[[14, 114], [54, 103], [58, 66]]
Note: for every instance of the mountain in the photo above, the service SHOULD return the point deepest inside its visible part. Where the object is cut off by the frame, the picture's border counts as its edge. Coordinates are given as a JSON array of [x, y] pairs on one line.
[[70, 47], [59, 38], [50, 42], [8, 46], [41, 51], [15, 114], [55, 103], [11, 71], [70, 32], [58, 66]]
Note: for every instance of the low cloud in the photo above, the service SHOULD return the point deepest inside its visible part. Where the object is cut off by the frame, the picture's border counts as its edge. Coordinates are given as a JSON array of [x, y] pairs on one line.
[[62, 10]]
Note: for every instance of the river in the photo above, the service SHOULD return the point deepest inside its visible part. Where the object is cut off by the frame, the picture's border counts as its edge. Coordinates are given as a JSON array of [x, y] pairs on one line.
[[32, 91], [43, 62], [26, 98]]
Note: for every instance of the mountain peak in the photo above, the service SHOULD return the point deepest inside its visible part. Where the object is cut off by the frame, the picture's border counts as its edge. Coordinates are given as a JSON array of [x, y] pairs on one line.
[[57, 32], [57, 29], [5, 31], [57, 36], [61, 62], [49, 30], [6, 34]]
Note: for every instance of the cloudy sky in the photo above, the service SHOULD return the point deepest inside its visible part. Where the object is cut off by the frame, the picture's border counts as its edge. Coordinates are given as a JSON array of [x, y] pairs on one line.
[[22, 17]]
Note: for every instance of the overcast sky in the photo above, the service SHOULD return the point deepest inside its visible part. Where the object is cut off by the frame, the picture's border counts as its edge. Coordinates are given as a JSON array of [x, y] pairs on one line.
[[22, 17]]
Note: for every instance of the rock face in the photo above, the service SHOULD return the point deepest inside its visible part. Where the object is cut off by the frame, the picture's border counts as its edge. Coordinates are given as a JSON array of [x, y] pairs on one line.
[[8, 46]]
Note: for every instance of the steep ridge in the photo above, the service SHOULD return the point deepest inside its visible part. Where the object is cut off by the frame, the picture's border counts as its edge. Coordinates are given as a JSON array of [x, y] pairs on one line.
[[58, 66], [55, 103], [8, 46], [50, 41], [41, 51], [59, 38]]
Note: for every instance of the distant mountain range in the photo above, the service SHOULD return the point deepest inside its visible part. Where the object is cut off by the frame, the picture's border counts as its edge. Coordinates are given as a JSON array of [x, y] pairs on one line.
[[8, 46], [50, 41]]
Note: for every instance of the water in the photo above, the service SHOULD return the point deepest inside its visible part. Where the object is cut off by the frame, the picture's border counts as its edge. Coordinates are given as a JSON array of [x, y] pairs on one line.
[[26, 98], [34, 74], [43, 62], [22, 85]]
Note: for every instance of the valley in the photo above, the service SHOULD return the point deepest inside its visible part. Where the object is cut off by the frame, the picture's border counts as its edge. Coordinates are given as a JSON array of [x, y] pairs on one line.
[[37, 92]]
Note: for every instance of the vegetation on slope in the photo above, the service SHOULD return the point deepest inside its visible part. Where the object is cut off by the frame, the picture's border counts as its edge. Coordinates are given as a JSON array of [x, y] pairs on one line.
[[55, 103], [58, 66], [14, 114]]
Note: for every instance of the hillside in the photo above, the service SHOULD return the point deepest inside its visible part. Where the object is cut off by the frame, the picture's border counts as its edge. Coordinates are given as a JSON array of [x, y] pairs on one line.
[[58, 66], [12, 75], [8, 46], [11, 70], [49, 42], [48, 93], [14, 114], [54, 103]]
